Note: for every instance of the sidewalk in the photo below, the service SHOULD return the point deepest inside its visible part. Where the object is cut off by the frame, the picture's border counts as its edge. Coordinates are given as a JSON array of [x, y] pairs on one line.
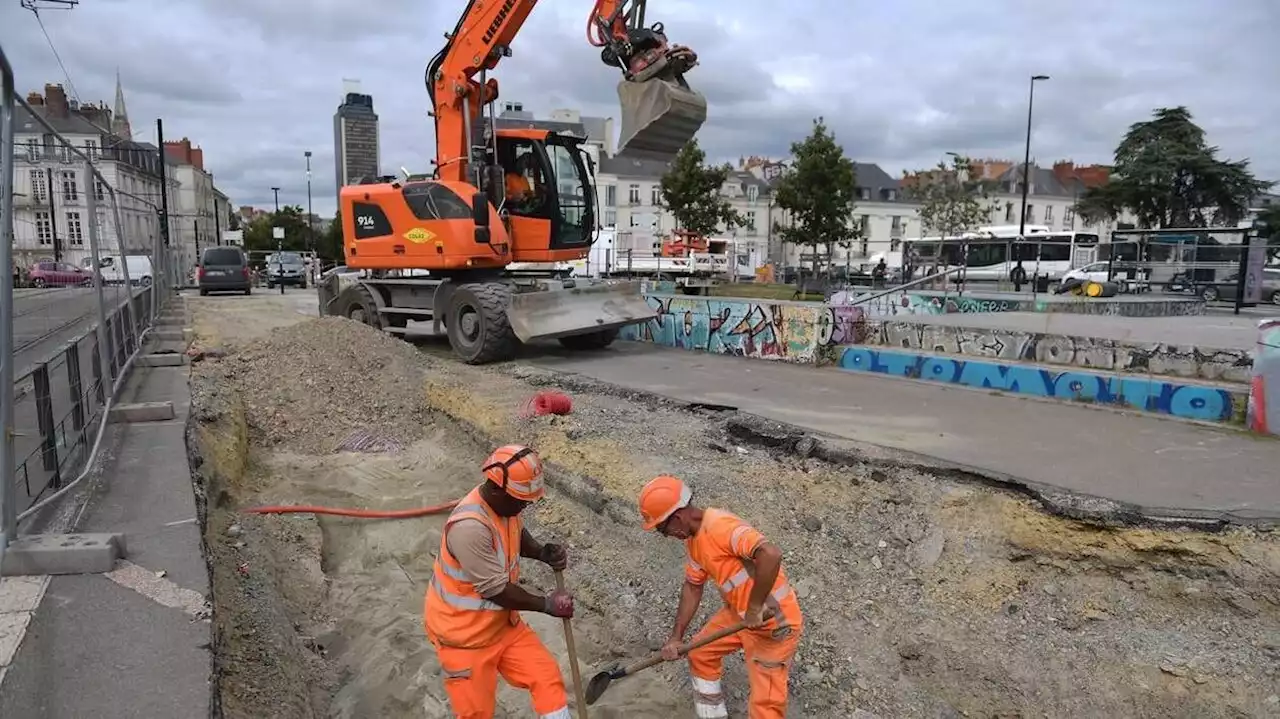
[[134, 643], [1164, 467]]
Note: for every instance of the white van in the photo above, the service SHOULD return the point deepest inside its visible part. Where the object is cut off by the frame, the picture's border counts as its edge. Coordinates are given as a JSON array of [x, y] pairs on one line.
[[140, 272]]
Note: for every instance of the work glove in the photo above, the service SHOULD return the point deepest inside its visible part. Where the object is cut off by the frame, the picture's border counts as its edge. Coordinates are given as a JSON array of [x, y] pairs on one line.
[[554, 556], [559, 604]]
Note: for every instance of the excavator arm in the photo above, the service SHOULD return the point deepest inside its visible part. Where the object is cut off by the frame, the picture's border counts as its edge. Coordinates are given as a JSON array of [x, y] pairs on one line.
[[660, 113]]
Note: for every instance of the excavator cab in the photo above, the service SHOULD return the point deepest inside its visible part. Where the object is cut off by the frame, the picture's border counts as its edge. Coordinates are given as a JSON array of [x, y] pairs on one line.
[[546, 199]]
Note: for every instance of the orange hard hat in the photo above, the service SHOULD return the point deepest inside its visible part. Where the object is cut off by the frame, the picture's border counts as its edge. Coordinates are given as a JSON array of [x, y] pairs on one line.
[[660, 499], [518, 470]]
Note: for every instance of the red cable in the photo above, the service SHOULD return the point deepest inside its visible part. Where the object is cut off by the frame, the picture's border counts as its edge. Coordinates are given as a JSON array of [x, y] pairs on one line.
[[545, 403], [360, 513]]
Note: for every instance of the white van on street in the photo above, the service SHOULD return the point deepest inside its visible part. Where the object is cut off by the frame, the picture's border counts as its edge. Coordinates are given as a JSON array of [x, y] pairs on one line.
[[140, 272]]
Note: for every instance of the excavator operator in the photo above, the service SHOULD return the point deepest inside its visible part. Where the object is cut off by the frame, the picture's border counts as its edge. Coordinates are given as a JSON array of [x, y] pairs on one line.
[[522, 184], [472, 608]]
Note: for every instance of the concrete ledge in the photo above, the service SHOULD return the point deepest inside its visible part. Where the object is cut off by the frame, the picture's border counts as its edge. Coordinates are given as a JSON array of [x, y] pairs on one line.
[[63, 554], [174, 335], [141, 412], [171, 359]]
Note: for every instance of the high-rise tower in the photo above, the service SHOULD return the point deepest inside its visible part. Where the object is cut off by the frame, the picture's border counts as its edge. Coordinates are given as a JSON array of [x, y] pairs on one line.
[[355, 137]]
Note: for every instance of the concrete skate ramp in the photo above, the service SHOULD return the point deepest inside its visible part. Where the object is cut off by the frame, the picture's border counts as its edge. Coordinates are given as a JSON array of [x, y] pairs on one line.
[[579, 310], [658, 118]]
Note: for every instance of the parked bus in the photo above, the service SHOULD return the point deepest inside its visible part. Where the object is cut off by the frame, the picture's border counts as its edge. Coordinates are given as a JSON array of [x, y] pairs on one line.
[[992, 253]]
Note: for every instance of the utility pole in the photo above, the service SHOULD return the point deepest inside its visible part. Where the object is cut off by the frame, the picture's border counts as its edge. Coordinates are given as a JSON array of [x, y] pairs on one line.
[[276, 190], [53, 218], [279, 243], [1026, 182], [311, 230], [195, 231], [217, 224], [164, 204]]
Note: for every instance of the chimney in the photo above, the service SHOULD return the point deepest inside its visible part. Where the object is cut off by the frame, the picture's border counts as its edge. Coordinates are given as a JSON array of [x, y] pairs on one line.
[[197, 158], [35, 99], [1064, 170], [179, 151], [56, 100]]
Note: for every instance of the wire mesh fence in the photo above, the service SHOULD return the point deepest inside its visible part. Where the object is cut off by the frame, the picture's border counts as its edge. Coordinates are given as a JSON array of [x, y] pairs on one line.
[[85, 271]]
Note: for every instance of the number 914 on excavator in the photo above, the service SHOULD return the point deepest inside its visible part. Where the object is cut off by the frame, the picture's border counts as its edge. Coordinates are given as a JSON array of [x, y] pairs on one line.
[[438, 248]]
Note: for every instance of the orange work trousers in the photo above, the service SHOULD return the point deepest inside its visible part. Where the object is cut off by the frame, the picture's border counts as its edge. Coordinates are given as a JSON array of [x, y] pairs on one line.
[[768, 661], [471, 675]]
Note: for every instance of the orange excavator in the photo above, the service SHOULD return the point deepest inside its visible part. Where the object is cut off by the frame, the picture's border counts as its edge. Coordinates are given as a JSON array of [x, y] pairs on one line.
[[505, 195]]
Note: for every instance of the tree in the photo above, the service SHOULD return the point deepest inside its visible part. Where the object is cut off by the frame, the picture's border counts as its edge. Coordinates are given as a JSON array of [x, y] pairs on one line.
[[951, 200], [1268, 224], [257, 236], [819, 191], [329, 244], [691, 190], [1168, 176]]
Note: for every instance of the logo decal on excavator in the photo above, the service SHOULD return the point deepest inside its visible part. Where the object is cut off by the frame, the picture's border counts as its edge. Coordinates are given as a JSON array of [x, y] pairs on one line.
[[419, 235], [498, 20]]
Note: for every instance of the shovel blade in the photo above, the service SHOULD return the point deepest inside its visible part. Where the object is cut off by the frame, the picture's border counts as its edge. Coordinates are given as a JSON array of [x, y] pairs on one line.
[[659, 116], [583, 309], [596, 687]]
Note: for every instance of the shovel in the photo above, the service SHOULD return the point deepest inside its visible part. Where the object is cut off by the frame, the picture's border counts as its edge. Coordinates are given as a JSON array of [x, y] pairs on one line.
[[600, 682]]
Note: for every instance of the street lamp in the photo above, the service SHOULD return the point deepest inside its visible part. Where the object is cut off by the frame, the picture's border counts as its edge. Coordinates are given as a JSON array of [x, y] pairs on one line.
[[1026, 160], [311, 230], [276, 190]]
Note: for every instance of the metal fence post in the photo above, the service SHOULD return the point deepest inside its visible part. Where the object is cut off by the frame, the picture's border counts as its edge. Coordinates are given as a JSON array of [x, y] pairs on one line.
[[126, 314], [104, 352], [8, 491]]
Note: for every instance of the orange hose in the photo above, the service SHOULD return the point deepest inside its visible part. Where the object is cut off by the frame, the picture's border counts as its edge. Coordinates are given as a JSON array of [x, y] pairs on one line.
[[359, 513]]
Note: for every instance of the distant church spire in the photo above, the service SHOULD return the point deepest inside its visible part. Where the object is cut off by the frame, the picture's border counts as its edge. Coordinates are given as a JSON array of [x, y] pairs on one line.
[[119, 115]]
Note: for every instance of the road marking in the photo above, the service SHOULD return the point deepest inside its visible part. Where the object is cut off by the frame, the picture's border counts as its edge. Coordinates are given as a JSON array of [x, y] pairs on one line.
[[179, 522], [158, 589]]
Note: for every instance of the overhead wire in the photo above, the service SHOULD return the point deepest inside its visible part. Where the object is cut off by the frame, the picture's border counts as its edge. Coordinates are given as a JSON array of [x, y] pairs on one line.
[[56, 55]]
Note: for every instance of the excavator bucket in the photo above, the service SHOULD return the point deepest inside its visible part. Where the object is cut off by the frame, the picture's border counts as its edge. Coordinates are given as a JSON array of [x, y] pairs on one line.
[[659, 117], [548, 314]]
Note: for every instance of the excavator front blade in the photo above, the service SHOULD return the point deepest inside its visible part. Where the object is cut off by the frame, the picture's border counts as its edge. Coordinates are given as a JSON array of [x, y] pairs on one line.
[[547, 314], [659, 117]]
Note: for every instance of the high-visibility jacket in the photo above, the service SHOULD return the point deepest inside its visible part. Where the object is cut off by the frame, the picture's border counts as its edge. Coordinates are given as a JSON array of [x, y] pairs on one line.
[[454, 612], [721, 552]]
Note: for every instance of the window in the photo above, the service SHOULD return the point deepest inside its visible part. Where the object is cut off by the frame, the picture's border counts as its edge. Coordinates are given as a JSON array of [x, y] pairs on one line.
[[91, 149], [70, 186], [1069, 217], [864, 223], [1048, 214], [863, 246], [44, 228], [611, 196], [223, 256], [895, 226], [39, 190], [1008, 212], [99, 189], [610, 217], [864, 193], [633, 195], [33, 149], [753, 193], [655, 196], [1031, 214], [750, 219], [75, 233]]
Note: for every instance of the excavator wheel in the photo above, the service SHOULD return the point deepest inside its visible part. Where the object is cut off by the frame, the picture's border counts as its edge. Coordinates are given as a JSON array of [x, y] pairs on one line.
[[356, 303], [590, 341], [477, 323]]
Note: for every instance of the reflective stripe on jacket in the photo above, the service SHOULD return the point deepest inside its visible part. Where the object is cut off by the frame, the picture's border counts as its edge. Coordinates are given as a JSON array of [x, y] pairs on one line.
[[721, 551], [454, 613]]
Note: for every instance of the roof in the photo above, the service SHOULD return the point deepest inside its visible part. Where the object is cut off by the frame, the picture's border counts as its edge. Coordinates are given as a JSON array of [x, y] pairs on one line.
[[869, 176], [72, 124], [512, 123], [1043, 182]]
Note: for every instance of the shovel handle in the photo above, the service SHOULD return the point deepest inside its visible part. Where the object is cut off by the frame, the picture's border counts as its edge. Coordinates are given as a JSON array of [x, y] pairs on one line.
[[578, 688], [657, 659]]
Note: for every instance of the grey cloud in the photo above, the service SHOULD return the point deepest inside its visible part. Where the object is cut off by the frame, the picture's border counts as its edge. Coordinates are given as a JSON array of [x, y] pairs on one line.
[[256, 83]]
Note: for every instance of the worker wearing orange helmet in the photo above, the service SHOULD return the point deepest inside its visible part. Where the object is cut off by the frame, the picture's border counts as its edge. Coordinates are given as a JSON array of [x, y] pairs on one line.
[[472, 608], [747, 571]]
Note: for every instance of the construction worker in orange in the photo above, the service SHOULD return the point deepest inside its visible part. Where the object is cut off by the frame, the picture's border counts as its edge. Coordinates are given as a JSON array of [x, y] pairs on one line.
[[472, 608], [747, 571]]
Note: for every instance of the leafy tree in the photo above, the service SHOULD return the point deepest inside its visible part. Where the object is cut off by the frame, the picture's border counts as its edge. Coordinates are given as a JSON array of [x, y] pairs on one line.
[[951, 200], [329, 244], [691, 190], [1268, 224], [257, 236], [1168, 176], [819, 192]]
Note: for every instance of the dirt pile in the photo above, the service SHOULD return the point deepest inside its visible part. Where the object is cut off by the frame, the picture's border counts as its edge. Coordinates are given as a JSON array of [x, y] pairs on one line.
[[924, 596], [326, 382]]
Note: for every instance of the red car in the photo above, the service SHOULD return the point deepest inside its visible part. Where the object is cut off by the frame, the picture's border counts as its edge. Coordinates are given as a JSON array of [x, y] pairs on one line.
[[58, 274]]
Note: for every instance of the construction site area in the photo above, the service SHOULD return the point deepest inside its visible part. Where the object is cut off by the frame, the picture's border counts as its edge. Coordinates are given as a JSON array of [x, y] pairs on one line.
[[927, 592]]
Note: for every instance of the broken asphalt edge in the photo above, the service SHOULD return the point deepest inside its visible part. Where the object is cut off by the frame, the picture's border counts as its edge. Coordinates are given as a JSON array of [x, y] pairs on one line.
[[804, 442]]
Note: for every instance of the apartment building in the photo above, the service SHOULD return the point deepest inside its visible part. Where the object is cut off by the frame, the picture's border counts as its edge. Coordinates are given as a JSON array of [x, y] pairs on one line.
[[52, 185], [192, 206]]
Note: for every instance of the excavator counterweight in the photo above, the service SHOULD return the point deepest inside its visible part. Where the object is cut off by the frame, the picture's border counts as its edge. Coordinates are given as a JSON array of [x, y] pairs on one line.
[[659, 117]]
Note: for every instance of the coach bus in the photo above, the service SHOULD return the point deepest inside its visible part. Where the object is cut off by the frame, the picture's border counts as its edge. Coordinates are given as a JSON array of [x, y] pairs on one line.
[[991, 253]]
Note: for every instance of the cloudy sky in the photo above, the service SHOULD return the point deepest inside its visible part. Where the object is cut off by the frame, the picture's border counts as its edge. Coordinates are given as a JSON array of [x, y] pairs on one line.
[[901, 82]]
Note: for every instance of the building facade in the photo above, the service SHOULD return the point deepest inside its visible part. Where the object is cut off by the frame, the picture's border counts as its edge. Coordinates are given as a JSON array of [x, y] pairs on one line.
[[356, 142], [52, 186], [191, 206]]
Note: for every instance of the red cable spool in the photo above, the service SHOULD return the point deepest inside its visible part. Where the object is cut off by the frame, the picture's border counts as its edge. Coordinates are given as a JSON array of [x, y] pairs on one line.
[[545, 403]]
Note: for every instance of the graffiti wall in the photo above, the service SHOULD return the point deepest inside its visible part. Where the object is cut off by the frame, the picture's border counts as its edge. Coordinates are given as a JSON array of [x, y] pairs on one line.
[[1264, 394], [1144, 393], [1209, 363], [790, 331], [915, 303]]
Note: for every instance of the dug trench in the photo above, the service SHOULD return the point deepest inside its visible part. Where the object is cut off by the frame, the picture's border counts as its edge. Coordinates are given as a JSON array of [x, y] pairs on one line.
[[926, 594]]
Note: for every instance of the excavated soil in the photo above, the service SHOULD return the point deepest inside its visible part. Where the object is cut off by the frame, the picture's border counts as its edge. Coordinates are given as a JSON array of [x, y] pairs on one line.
[[925, 596]]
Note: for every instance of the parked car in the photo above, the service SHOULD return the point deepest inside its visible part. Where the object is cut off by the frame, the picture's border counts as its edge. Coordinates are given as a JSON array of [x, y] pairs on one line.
[[224, 269], [58, 274], [139, 266], [1225, 289], [285, 268]]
